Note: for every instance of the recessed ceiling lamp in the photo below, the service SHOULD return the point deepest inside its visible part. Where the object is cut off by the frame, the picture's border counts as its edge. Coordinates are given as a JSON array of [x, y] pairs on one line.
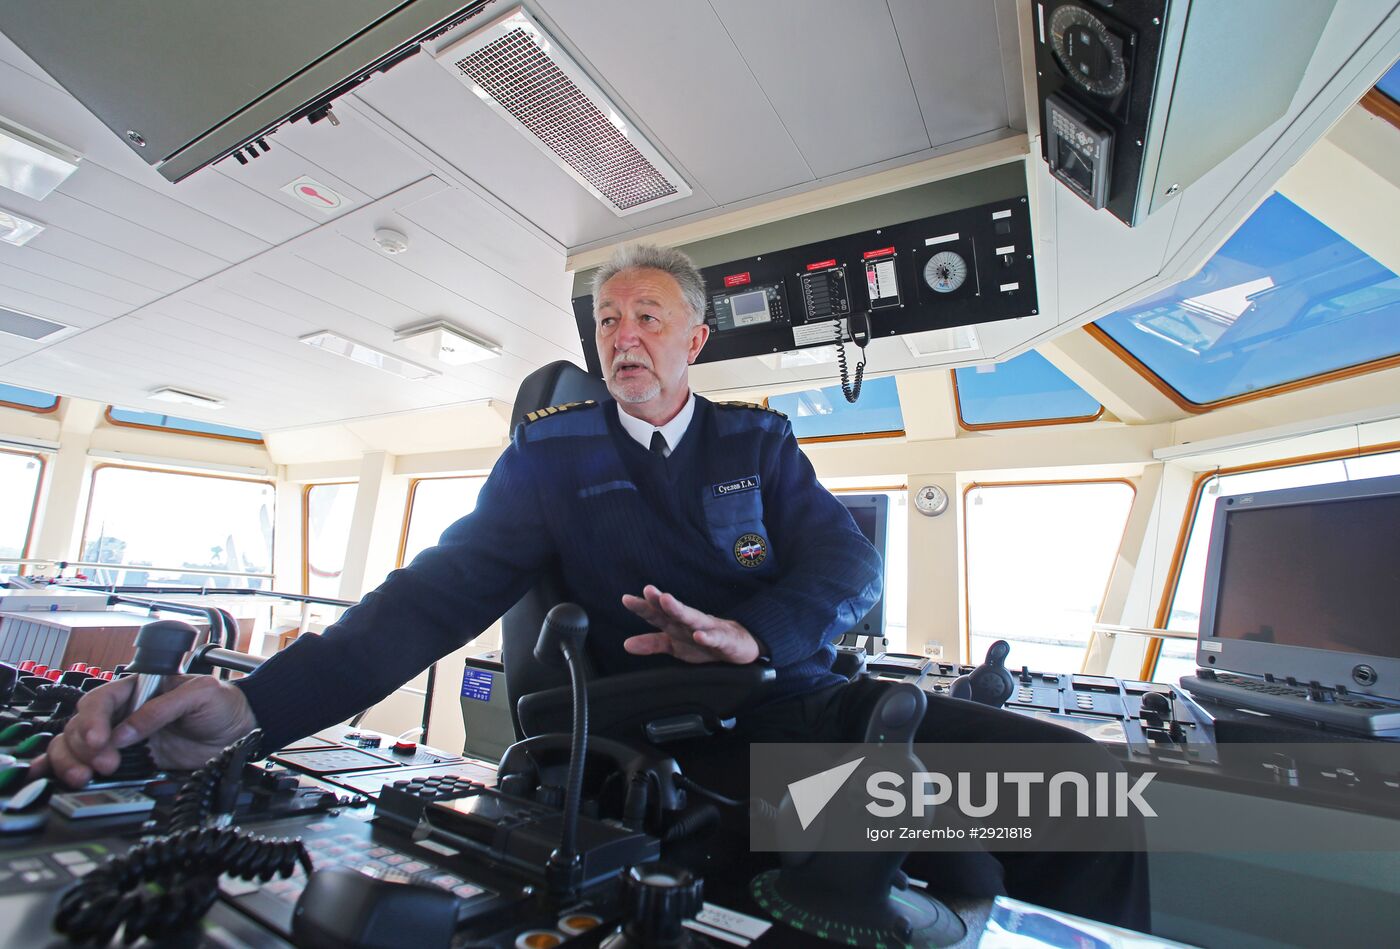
[[33, 164], [17, 230], [443, 341], [168, 394], [367, 355]]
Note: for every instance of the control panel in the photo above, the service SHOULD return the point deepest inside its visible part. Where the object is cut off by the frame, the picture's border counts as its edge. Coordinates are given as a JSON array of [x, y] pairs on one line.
[[964, 267]]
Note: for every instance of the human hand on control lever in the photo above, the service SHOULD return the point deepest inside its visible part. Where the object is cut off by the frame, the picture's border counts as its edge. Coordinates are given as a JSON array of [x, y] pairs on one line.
[[186, 726], [687, 633]]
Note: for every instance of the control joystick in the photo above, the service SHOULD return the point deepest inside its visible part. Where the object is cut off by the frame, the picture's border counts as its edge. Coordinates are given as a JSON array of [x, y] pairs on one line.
[[990, 683], [159, 648]]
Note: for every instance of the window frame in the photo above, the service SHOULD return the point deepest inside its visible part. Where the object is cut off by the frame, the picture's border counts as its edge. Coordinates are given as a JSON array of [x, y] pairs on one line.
[[1200, 408], [178, 431], [57, 402], [306, 530], [28, 547], [967, 562], [408, 507], [1382, 106], [1030, 423], [92, 483], [1188, 521]]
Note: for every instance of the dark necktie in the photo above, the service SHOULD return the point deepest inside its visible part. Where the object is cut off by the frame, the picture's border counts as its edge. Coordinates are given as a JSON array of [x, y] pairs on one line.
[[658, 444]]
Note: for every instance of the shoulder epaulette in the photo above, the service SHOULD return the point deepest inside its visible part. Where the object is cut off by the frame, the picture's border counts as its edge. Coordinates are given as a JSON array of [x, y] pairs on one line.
[[750, 405], [556, 409]]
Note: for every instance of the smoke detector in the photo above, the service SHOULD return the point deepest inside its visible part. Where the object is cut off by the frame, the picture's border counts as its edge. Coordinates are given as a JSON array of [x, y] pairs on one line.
[[513, 66], [390, 241]]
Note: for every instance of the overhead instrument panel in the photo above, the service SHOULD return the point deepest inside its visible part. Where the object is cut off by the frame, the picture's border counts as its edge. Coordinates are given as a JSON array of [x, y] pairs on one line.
[[956, 269], [1138, 100]]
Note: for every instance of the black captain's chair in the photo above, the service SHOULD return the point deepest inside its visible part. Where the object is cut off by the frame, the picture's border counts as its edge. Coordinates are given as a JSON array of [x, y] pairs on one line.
[[654, 706]]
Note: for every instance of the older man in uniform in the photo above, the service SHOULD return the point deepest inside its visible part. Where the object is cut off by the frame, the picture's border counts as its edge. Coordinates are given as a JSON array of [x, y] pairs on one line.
[[685, 528]]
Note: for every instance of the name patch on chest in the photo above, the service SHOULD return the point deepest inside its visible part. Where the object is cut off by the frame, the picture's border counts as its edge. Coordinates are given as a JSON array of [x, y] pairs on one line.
[[734, 487]]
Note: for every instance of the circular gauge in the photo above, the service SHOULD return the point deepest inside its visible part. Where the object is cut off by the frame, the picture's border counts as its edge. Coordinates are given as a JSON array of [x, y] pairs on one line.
[[945, 271], [931, 500], [1092, 57]]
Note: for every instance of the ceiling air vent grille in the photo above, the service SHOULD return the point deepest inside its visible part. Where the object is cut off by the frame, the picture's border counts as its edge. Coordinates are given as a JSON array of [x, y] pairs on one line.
[[29, 327], [524, 76]]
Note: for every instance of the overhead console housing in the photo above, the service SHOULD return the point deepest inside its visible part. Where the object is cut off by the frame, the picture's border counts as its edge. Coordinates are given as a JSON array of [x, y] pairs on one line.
[[1139, 100], [965, 267], [186, 84]]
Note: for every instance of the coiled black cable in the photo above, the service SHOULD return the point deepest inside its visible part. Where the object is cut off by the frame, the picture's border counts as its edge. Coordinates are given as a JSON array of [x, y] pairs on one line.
[[851, 392], [168, 882]]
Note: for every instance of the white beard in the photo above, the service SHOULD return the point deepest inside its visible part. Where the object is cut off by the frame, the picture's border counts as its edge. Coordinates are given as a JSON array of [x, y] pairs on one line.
[[636, 390]]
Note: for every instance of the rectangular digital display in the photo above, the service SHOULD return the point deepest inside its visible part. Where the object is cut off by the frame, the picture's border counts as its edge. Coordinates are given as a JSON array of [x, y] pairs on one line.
[[756, 307], [1321, 576]]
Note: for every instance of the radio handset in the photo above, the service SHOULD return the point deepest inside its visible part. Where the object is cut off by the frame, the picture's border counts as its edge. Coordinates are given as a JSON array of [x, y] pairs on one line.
[[859, 324]]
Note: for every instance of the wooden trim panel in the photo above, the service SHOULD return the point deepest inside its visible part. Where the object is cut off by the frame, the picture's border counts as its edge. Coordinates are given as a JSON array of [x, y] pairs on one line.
[[58, 401], [1382, 106]]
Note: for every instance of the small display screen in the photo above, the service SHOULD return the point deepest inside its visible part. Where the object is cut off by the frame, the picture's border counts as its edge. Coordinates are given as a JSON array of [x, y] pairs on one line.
[[1074, 168], [750, 308]]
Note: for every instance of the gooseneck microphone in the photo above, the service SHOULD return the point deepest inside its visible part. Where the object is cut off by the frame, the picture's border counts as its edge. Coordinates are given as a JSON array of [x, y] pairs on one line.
[[564, 630]]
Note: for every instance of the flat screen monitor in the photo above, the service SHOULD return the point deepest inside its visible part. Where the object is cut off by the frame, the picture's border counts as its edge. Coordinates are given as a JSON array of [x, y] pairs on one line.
[[871, 514], [1305, 582]]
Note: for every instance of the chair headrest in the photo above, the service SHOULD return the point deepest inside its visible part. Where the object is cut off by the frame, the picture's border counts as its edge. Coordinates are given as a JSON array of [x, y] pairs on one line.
[[553, 384]]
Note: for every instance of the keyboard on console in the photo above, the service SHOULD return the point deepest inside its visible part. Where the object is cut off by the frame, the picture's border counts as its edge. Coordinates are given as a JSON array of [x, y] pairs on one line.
[[1352, 712]]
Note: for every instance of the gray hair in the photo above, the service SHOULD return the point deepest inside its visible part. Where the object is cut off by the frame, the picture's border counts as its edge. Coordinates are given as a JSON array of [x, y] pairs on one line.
[[653, 257]]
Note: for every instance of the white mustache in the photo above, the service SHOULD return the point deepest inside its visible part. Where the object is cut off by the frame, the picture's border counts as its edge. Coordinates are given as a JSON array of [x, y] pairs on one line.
[[627, 359]]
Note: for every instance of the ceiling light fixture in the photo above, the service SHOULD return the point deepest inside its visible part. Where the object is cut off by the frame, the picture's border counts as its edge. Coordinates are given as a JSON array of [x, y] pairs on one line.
[[367, 355], [17, 230], [442, 341], [33, 164], [184, 397]]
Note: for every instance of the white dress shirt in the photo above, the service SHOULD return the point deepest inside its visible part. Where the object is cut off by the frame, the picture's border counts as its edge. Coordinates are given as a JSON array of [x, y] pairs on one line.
[[673, 431]]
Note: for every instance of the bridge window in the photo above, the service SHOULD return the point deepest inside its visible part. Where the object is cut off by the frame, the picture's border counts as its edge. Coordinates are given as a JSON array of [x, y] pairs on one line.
[[433, 505], [826, 415], [1390, 83], [326, 512], [130, 418], [173, 528], [1026, 390], [20, 476], [1286, 302], [1039, 557], [30, 400], [1170, 659]]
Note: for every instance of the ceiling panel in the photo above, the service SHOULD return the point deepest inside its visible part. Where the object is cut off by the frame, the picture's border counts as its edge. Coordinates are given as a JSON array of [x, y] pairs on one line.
[[835, 73], [953, 54], [105, 258], [21, 278], [49, 308], [420, 97], [728, 135], [35, 260], [97, 187], [354, 151], [271, 171]]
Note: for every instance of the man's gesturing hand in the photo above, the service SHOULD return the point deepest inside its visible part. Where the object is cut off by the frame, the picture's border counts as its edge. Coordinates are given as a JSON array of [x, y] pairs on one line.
[[187, 726], [687, 633]]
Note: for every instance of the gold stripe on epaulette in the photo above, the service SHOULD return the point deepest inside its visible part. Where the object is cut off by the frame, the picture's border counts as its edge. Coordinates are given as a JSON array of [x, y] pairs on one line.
[[750, 405], [538, 414]]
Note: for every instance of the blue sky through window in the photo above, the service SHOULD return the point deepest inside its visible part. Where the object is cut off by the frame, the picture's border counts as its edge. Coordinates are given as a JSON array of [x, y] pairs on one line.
[[1390, 83], [1024, 389], [823, 412], [29, 397], [180, 424], [1285, 298]]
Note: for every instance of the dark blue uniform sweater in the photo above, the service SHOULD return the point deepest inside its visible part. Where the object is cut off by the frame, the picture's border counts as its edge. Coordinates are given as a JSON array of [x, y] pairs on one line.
[[733, 523]]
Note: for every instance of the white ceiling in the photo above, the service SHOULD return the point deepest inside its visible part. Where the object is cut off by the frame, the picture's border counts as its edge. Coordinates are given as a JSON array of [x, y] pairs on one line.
[[206, 285]]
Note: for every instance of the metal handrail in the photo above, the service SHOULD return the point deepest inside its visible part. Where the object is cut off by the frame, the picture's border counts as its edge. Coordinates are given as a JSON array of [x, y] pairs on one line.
[[198, 571]]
